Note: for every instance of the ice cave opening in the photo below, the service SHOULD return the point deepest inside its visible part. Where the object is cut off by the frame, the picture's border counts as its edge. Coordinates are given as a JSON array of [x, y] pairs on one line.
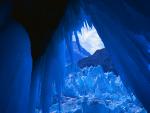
[[94, 86]]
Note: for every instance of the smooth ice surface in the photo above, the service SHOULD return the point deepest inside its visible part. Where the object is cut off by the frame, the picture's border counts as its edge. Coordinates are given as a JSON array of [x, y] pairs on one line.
[[15, 69], [90, 90]]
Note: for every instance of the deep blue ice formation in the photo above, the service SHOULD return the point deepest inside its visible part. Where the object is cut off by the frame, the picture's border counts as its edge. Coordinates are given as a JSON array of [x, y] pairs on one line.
[[90, 90], [15, 69], [125, 33]]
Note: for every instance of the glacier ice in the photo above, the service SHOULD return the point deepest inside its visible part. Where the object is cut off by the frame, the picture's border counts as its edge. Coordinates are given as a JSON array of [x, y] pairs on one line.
[[90, 90], [15, 68]]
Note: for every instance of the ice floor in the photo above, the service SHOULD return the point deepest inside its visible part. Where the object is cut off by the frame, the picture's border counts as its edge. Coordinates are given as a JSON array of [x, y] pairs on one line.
[[90, 90]]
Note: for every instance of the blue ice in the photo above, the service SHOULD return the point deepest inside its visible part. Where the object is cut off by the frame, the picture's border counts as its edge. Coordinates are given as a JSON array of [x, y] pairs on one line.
[[90, 90]]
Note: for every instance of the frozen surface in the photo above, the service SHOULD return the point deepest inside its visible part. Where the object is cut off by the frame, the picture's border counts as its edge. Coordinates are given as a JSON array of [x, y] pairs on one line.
[[90, 90]]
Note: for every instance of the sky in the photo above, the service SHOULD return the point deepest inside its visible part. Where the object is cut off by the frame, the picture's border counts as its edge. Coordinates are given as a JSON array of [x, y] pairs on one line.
[[89, 39]]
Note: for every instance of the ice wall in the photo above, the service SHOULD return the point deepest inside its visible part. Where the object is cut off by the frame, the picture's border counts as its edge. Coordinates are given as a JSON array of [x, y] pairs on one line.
[[124, 33], [15, 69], [48, 74]]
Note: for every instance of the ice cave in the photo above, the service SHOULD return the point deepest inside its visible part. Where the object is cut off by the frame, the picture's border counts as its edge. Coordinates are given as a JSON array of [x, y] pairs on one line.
[[74, 56], [93, 85]]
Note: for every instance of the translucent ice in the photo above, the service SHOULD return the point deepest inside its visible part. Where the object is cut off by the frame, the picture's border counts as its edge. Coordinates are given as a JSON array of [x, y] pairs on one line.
[[90, 90]]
